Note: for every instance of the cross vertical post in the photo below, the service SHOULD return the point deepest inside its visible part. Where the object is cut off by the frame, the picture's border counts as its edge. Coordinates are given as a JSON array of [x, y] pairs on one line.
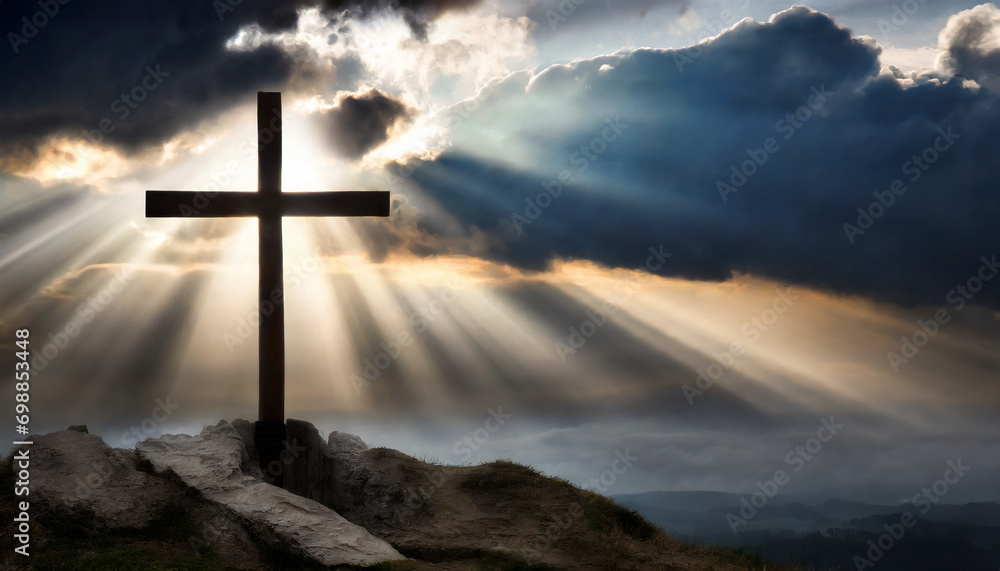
[[269, 432], [271, 407]]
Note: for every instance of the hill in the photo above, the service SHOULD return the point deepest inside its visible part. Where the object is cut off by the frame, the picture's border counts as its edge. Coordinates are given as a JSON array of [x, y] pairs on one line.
[[199, 502]]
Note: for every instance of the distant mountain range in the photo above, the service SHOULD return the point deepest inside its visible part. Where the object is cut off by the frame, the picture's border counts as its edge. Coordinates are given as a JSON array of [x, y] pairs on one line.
[[835, 534]]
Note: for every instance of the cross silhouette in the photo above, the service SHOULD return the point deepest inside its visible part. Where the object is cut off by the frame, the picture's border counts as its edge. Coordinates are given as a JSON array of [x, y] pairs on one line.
[[269, 204]]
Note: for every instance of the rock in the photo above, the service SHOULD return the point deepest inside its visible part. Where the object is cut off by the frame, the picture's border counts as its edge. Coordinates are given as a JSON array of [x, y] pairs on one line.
[[212, 463], [309, 528], [80, 475], [307, 462], [346, 444], [82, 485], [79, 428], [252, 466], [383, 490]]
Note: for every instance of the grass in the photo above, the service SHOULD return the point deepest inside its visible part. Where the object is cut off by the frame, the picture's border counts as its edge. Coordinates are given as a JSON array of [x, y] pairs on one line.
[[744, 558], [501, 562], [430, 459], [388, 566], [380, 453], [505, 474], [103, 552], [609, 518], [600, 513], [609, 529]]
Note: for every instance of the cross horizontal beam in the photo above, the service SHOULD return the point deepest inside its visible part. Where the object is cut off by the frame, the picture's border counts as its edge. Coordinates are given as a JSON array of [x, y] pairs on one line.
[[180, 204]]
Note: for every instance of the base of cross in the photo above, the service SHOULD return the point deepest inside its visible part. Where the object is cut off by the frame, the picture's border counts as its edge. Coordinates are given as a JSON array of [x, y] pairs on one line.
[[270, 438], [291, 455]]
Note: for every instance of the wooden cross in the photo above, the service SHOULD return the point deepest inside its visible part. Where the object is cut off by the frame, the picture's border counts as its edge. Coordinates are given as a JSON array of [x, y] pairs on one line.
[[269, 205]]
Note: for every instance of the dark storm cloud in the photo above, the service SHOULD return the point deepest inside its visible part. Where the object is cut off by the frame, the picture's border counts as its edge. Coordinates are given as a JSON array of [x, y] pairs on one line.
[[419, 13], [74, 72], [361, 122], [92, 61], [671, 124]]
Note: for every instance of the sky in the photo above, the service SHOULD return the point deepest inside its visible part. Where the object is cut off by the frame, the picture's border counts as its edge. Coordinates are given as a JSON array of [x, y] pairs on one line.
[[716, 239]]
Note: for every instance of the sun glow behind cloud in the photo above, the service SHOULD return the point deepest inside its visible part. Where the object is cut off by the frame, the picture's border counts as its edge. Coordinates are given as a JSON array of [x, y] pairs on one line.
[[462, 53], [66, 159]]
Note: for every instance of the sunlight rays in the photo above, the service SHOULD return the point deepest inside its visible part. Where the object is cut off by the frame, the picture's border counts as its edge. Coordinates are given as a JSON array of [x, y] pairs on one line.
[[353, 291], [814, 354]]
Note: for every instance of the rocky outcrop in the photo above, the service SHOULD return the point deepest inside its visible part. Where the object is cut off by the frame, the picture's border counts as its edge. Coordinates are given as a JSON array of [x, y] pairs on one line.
[[210, 462], [82, 486], [213, 464], [89, 481]]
